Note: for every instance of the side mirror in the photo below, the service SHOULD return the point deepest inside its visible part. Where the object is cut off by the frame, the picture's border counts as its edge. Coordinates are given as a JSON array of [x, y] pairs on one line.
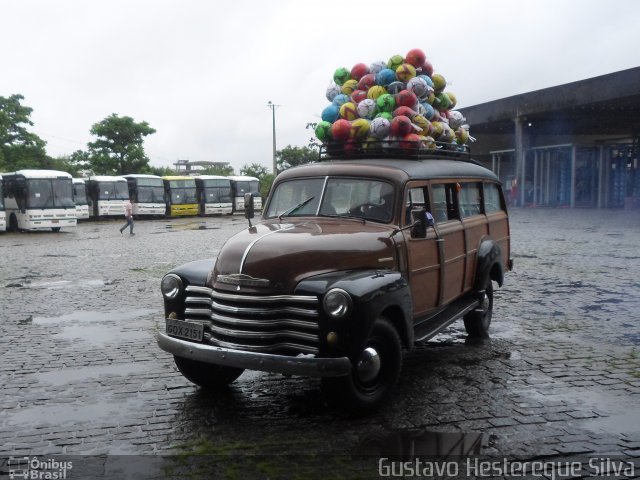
[[248, 207], [419, 219]]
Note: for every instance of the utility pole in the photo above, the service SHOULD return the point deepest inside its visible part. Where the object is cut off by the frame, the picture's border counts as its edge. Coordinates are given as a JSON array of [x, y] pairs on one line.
[[273, 106]]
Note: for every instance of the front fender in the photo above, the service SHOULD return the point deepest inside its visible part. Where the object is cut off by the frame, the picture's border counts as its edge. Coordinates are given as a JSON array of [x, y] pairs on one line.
[[373, 292], [489, 264], [192, 273]]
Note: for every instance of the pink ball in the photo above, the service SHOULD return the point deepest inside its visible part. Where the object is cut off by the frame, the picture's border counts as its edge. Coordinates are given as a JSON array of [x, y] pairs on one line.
[[367, 81], [406, 98], [340, 129], [359, 70], [427, 68], [415, 57], [400, 126]]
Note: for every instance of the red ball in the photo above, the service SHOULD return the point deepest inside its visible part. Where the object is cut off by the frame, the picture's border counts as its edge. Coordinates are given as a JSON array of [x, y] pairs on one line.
[[427, 68], [410, 142], [415, 57], [359, 70], [340, 129], [358, 95], [367, 81], [401, 126], [406, 98], [404, 111]]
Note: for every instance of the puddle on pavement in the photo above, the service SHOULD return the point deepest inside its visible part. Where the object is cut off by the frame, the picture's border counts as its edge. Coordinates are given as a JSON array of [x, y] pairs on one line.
[[98, 336], [190, 226], [66, 284], [96, 317], [412, 443], [70, 375]]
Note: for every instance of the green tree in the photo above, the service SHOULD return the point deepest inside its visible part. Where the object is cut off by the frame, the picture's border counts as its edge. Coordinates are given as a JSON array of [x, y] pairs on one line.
[[163, 171], [293, 156], [19, 148], [225, 171], [262, 174], [118, 150]]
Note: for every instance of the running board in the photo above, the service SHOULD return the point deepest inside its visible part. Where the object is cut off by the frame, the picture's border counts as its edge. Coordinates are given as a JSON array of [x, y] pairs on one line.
[[430, 327]]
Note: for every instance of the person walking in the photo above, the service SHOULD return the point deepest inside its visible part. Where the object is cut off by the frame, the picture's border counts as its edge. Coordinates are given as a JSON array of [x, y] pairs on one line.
[[128, 213]]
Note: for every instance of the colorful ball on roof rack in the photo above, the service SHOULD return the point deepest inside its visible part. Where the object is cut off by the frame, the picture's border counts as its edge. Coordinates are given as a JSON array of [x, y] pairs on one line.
[[439, 82], [380, 127], [341, 75], [394, 62], [376, 66], [331, 113], [453, 99], [462, 136], [375, 91], [349, 86], [341, 99], [428, 142], [456, 119], [385, 77], [396, 87], [427, 68], [436, 129], [429, 111], [359, 70], [367, 108], [386, 103], [340, 129], [416, 57], [418, 86], [410, 142], [386, 115], [349, 111], [367, 81], [427, 79], [332, 91], [358, 95], [405, 72], [323, 131], [401, 126], [404, 111], [422, 123], [406, 98], [359, 128], [442, 102]]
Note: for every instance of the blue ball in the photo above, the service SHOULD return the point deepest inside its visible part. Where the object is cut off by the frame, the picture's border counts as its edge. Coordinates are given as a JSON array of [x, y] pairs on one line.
[[427, 79], [385, 77], [331, 113], [429, 111], [341, 99]]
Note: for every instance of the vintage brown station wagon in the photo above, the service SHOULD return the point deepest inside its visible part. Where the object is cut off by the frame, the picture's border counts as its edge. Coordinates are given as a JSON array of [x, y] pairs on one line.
[[354, 261]]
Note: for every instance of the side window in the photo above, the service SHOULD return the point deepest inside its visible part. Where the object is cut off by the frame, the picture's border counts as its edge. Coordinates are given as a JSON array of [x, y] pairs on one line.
[[417, 198], [445, 202], [492, 201], [470, 199]]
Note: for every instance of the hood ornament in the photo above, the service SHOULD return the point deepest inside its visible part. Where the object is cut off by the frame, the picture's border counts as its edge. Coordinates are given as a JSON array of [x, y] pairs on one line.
[[242, 280]]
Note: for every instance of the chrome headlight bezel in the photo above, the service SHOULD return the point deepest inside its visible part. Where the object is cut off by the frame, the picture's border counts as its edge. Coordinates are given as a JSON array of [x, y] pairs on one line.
[[337, 304], [171, 286]]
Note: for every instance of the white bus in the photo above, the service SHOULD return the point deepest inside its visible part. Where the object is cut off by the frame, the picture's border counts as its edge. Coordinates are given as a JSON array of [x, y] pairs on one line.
[[214, 195], [241, 185], [80, 199], [3, 216], [147, 192], [107, 196], [39, 200]]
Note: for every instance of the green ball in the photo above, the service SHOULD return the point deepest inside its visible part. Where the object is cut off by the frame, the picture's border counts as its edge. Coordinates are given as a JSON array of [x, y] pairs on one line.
[[386, 103], [395, 61], [387, 115], [341, 75], [323, 131]]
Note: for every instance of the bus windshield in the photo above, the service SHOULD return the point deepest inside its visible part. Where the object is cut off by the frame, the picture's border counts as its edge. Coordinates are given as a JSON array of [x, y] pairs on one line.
[[150, 194], [217, 194], [181, 196], [79, 194], [49, 193], [243, 187], [113, 191]]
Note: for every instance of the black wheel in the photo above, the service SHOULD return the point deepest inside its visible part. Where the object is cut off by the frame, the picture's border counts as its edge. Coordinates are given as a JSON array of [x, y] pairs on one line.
[[13, 223], [206, 375], [374, 373], [477, 321], [56, 229]]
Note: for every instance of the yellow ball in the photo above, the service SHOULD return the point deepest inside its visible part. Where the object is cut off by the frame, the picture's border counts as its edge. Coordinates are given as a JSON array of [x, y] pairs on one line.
[[439, 83], [375, 91], [423, 123], [405, 72], [349, 111], [453, 99], [359, 128], [349, 86]]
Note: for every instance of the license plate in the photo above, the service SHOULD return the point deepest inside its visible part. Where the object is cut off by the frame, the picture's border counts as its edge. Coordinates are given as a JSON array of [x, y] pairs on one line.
[[182, 329], [55, 221]]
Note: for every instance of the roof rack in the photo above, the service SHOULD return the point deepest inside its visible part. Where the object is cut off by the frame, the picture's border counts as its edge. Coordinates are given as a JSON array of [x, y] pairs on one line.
[[394, 149]]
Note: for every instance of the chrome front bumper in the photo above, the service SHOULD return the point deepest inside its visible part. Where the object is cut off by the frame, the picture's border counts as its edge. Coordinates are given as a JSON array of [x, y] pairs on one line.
[[304, 366]]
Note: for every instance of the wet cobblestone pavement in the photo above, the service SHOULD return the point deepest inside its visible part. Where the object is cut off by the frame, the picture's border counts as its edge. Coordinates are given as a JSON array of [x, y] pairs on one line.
[[82, 375]]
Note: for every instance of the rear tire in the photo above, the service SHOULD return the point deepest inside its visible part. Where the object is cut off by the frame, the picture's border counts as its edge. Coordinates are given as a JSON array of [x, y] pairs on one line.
[[206, 375], [373, 376], [477, 321]]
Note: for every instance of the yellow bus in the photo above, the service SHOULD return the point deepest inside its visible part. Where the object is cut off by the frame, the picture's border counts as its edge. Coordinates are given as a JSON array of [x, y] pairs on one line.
[[180, 196]]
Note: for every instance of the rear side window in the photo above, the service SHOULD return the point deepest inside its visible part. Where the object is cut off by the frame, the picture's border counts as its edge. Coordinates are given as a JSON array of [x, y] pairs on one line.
[[470, 199], [492, 198], [445, 202]]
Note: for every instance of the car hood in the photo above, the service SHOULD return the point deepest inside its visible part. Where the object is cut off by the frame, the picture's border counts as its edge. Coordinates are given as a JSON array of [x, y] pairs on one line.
[[272, 257]]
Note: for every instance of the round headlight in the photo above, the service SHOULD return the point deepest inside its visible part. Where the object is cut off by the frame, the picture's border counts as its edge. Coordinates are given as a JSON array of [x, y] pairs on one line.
[[337, 303], [171, 286]]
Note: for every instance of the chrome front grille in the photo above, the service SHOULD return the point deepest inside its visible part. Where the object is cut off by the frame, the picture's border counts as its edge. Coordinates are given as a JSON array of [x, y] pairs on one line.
[[279, 324]]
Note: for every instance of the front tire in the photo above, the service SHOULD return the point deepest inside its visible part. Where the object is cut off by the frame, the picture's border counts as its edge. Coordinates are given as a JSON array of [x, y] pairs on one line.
[[373, 375], [477, 321], [206, 375]]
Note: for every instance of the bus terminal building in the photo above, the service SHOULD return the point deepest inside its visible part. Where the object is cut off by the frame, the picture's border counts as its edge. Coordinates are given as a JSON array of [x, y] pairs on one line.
[[573, 145]]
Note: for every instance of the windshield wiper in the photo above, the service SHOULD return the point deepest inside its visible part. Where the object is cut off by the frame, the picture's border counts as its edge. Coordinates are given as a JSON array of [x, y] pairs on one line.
[[293, 209]]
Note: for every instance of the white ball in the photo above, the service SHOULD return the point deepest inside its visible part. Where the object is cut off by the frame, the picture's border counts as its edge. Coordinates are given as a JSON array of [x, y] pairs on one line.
[[418, 86], [379, 127], [366, 108], [375, 67], [456, 119], [332, 91]]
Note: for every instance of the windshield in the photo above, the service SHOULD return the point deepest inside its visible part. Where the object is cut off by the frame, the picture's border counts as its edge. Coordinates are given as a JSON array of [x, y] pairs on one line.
[[49, 193], [150, 194], [246, 187], [181, 196], [113, 191], [217, 195], [1, 196], [79, 194], [363, 198]]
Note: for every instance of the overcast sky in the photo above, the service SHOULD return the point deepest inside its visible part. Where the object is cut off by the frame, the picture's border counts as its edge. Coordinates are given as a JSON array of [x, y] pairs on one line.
[[201, 72]]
